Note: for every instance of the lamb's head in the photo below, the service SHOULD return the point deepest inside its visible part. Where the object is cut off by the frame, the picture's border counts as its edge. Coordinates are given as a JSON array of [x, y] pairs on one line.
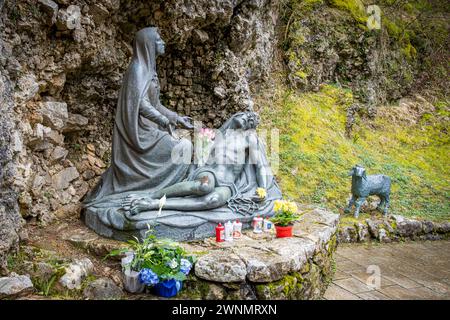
[[358, 171]]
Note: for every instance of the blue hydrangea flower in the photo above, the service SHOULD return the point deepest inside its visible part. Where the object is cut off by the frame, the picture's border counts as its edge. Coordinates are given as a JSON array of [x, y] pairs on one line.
[[185, 266], [148, 277]]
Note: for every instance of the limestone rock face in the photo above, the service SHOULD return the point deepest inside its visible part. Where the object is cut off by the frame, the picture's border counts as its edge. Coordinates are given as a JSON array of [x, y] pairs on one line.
[[75, 122], [14, 285], [443, 227], [342, 49], [10, 219]]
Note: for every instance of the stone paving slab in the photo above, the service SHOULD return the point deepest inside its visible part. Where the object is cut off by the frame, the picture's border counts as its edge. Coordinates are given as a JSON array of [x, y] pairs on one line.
[[403, 281], [340, 275], [411, 270], [335, 292], [349, 266], [364, 277], [353, 285], [373, 295], [420, 293]]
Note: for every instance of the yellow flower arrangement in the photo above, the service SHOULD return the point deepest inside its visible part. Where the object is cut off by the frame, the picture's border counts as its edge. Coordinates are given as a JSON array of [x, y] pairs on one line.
[[277, 205], [261, 192], [286, 212], [285, 206]]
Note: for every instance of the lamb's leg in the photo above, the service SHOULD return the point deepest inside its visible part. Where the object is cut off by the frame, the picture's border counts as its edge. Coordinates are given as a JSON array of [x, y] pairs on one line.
[[351, 202], [359, 202], [386, 206]]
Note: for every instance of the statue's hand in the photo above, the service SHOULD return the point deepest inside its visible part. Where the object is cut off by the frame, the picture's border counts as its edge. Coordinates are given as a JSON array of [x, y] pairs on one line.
[[168, 126], [185, 122]]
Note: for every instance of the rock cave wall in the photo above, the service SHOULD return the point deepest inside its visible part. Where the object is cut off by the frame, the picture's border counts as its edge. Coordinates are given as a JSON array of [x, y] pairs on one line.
[[60, 71]]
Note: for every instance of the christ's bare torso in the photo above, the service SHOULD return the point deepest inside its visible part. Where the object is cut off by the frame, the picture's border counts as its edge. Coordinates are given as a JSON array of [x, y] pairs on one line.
[[230, 156]]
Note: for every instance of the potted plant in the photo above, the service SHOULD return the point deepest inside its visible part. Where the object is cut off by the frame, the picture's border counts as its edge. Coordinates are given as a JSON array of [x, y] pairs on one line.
[[284, 218], [159, 264], [131, 279]]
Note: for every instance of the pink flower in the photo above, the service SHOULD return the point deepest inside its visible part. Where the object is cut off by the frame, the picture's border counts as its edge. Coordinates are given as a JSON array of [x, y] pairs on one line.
[[207, 133]]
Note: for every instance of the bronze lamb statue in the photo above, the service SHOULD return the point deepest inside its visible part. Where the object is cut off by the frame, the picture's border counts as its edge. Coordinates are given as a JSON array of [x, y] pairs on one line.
[[364, 186]]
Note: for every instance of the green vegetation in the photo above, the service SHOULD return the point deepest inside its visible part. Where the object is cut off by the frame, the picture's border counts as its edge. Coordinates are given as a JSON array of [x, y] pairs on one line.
[[28, 262], [46, 287], [315, 154], [354, 7], [163, 257]]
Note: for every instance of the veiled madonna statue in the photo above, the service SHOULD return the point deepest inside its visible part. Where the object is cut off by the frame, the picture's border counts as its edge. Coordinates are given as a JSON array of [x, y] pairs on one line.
[[143, 168]]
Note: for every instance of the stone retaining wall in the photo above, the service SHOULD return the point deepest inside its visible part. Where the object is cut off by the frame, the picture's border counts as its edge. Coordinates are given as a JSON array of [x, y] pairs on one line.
[[261, 266], [393, 228]]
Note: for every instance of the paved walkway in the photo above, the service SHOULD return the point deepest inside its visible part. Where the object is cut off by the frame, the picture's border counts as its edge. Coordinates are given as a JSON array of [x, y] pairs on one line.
[[412, 270]]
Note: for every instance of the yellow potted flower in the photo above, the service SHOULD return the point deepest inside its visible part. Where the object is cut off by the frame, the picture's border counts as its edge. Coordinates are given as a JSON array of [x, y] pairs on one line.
[[286, 213]]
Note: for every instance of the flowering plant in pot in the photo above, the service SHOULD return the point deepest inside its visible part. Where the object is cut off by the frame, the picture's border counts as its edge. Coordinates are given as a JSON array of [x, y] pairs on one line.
[[284, 218], [160, 264]]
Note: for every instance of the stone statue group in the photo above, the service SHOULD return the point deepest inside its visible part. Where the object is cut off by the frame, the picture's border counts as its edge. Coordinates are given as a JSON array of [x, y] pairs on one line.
[[144, 177], [143, 170]]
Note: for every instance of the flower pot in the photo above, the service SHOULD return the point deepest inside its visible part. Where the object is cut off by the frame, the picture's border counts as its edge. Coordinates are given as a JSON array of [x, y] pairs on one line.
[[283, 232], [168, 288], [131, 281]]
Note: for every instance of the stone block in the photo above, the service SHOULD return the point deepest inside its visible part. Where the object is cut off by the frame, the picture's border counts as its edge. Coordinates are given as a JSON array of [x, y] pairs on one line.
[[221, 267], [63, 178], [76, 272], [102, 289], [15, 285], [69, 19], [54, 114]]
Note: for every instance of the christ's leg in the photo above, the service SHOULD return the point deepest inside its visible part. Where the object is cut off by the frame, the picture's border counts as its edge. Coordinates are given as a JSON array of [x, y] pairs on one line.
[[203, 184], [213, 200]]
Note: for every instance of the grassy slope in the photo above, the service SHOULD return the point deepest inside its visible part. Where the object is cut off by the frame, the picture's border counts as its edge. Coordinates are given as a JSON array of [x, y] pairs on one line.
[[315, 154]]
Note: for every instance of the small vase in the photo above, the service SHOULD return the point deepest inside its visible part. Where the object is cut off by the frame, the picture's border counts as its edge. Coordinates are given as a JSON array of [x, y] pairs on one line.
[[283, 232], [168, 288], [131, 281]]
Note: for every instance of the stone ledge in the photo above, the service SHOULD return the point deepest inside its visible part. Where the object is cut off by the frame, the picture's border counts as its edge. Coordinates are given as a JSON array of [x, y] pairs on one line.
[[265, 258], [392, 228], [261, 266]]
